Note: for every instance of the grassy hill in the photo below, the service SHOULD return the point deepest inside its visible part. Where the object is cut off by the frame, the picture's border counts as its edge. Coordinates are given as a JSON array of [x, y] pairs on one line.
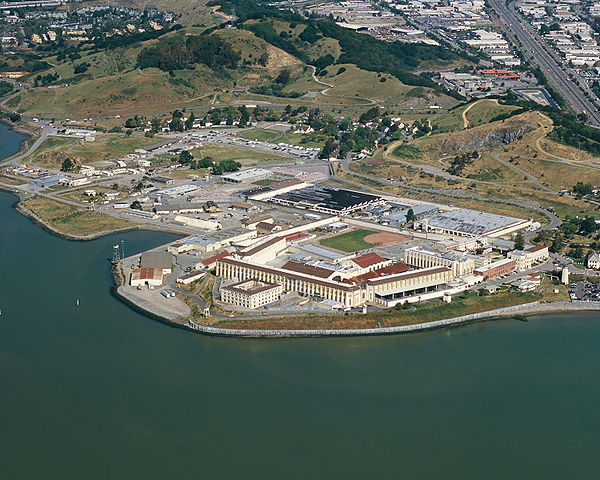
[[272, 54]]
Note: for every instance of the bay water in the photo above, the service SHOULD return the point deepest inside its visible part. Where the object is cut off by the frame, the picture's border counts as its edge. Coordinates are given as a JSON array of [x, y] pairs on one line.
[[101, 391]]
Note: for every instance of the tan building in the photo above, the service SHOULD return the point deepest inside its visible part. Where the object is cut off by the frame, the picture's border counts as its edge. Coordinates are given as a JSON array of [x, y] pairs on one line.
[[142, 277], [393, 289], [348, 295], [529, 258], [176, 248], [388, 290], [425, 258], [251, 293], [190, 277], [251, 223], [263, 252]]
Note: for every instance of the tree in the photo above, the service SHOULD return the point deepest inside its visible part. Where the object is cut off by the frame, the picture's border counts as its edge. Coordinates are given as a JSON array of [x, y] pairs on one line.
[[185, 157], [283, 77], [588, 226], [328, 148], [217, 170], [410, 215], [136, 205], [205, 162], [67, 165], [230, 165], [189, 123], [81, 68], [519, 241], [581, 189], [176, 125]]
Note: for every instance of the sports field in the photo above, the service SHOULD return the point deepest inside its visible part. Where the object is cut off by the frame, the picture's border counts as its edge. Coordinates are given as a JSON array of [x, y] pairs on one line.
[[352, 241]]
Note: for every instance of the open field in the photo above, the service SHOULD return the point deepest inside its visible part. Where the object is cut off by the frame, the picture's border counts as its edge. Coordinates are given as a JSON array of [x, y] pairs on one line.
[[427, 312], [484, 111], [355, 82], [11, 180], [288, 137], [107, 146], [385, 238], [352, 241], [70, 220], [246, 156]]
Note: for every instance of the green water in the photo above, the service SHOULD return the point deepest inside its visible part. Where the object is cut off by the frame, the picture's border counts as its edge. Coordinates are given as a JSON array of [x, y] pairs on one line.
[[101, 392]]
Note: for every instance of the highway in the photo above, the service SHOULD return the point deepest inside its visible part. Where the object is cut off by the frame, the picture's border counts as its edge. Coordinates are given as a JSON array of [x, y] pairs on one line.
[[530, 40]]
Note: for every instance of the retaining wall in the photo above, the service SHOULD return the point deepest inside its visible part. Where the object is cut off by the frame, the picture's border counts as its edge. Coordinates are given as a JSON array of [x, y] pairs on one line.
[[531, 308]]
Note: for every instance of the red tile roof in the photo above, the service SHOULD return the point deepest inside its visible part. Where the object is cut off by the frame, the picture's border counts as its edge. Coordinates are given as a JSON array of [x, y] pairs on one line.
[[209, 261], [396, 267], [295, 236], [368, 260], [298, 267], [147, 274]]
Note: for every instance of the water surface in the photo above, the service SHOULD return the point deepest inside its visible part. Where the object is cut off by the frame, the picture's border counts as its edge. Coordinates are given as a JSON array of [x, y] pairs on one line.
[[99, 391]]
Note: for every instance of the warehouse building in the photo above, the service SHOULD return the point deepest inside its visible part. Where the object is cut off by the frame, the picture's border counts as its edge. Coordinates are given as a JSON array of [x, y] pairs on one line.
[[160, 260], [248, 175], [471, 223], [251, 293], [150, 277], [326, 199], [190, 277]]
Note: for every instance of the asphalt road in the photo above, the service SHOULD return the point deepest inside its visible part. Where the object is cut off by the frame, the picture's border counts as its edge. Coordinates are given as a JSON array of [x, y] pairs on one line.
[[532, 42]]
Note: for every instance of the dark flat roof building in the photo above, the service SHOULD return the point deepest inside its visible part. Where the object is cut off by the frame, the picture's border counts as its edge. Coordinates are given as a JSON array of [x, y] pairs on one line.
[[327, 199]]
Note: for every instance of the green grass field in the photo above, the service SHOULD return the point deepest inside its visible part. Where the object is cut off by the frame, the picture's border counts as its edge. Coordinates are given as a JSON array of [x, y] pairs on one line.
[[246, 156], [350, 241], [485, 110]]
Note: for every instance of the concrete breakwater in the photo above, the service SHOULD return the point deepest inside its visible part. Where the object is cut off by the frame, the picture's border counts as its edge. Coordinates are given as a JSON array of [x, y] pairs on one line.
[[147, 307], [527, 308]]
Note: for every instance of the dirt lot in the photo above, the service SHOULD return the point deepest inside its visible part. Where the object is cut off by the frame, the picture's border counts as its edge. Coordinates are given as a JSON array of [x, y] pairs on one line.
[[385, 238]]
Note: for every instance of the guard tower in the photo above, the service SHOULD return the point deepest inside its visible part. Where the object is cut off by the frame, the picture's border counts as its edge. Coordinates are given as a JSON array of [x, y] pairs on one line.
[[116, 253], [565, 276]]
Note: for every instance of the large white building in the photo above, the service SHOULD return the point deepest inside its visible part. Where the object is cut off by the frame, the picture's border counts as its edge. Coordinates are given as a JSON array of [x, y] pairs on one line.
[[529, 258], [425, 258], [251, 293]]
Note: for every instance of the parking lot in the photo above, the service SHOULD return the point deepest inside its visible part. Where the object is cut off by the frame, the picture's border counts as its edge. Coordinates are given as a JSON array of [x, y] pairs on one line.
[[588, 292], [225, 138]]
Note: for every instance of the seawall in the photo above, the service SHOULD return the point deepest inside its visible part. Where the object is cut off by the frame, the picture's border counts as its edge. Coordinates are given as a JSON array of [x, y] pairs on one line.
[[527, 308]]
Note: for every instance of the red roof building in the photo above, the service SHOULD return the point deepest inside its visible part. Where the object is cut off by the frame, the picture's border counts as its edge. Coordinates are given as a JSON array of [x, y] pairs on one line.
[[392, 269], [209, 262], [368, 260]]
